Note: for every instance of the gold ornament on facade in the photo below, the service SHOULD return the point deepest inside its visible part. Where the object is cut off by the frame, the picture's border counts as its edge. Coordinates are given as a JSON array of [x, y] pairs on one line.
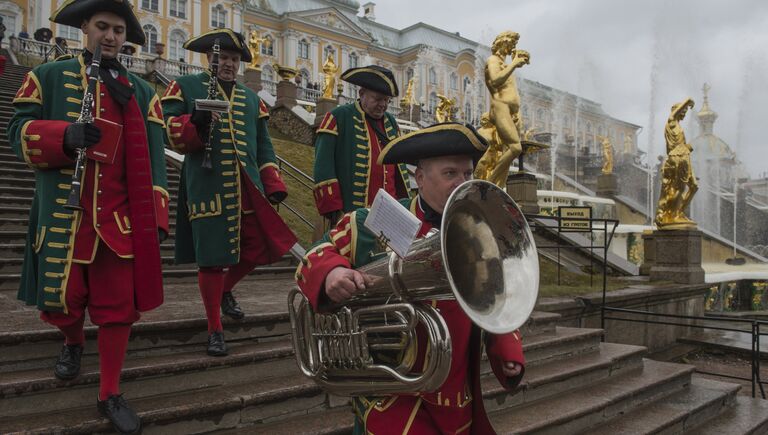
[[285, 72], [444, 109], [254, 46], [607, 155], [329, 78], [505, 102], [678, 183], [408, 98]]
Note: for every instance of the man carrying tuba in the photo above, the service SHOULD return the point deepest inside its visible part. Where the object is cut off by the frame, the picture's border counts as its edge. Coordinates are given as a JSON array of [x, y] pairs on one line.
[[444, 156]]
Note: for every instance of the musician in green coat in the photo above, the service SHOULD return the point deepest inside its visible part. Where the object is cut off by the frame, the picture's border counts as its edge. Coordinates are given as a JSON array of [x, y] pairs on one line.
[[105, 256], [225, 222]]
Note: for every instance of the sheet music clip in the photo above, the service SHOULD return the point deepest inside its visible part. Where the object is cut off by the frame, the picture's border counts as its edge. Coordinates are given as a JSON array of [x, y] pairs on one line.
[[219, 106], [382, 241]]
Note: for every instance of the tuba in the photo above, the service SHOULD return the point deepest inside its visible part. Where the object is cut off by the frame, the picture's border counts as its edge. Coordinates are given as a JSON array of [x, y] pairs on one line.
[[484, 257]]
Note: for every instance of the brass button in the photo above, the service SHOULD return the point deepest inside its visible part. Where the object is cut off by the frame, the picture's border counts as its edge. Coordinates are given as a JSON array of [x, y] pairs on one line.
[[101, 94], [102, 110], [98, 192], [100, 175], [98, 225], [98, 208]]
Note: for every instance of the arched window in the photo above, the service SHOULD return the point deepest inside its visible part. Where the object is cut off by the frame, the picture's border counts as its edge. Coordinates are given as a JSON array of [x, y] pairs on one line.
[[151, 32], [176, 46], [354, 60], [467, 113], [540, 117], [304, 74], [432, 76], [467, 83], [408, 74], [304, 49], [329, 50], [454, 81], [432, 102], [218, 17], [267, 47], [267, 74], [589, 127]]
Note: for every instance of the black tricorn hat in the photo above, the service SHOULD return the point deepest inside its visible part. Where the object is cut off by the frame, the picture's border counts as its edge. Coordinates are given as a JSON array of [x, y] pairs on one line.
[[74, 12], [228, 40], [446, 139], [373, 77]]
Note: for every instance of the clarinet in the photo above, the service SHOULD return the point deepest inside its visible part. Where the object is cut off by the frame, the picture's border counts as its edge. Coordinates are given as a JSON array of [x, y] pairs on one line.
[[213, 91], [86, 116]]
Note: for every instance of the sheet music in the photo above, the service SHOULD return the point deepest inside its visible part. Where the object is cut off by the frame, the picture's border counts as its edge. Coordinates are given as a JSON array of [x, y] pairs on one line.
[[388, 218]]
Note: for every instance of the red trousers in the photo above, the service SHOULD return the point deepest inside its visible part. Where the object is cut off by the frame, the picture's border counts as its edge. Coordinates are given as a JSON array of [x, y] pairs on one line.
[[105, 287], [412, 415]]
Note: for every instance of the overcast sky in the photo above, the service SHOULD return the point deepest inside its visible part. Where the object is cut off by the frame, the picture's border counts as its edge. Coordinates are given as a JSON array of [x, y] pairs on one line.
[[636, 58]]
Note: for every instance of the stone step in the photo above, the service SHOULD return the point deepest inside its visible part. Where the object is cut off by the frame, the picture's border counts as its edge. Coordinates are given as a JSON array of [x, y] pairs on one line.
[[333, 422], [746, 416], [28, 181], [12, 250], [597, 404], [564, 376], [562, 343], [20, 223], [678, 413]]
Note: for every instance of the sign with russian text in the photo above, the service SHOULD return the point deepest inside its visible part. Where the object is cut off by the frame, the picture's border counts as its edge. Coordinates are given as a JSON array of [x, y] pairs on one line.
[[575, 219]]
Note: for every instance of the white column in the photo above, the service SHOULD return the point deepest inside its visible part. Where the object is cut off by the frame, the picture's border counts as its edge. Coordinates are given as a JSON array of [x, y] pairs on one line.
[[290, 44], [43, 13], [237, 17], [313, 59], [197, 17], [344, 61]]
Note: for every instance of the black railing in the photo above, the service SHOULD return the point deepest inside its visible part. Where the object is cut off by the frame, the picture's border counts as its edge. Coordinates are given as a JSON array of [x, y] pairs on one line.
[[303, 179], [755, 333]]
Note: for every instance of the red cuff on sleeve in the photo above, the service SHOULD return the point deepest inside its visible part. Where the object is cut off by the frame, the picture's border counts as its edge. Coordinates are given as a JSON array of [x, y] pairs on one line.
[[314, 267], [42, 144], [183, 136], [506, 348], [273, 183], [162, 201], [328, 196]]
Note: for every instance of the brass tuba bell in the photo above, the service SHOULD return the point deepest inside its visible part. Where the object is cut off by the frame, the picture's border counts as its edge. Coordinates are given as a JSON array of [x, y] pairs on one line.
[[484, 257]]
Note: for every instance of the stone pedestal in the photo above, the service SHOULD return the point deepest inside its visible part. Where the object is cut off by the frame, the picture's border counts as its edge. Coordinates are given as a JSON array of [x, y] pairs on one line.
[[324, 105], [677, 256], [607, 185], [522, 188], [410, 113], [649, 252], [287, 92], [253, 79]]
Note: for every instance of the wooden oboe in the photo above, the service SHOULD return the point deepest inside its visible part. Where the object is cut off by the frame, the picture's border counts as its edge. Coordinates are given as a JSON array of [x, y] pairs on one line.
[[86, 117]]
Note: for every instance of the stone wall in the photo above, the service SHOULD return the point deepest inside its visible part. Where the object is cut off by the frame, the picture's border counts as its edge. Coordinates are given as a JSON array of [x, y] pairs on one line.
[[291, 125], [672, 299]]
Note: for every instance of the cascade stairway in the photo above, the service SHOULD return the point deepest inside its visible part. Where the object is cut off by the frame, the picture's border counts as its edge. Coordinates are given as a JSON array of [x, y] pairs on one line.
[[574, 383], [17, 185]]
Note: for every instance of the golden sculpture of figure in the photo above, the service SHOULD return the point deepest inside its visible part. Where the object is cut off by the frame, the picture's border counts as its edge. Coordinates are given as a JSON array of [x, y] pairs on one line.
[[329, 77], [607, 155], [492, 155], [678, 183], [444, 109], [408, 99], [505, 100], [254, 46]]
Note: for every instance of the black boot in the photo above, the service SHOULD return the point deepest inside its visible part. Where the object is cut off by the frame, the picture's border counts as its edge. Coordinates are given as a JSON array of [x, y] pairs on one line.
[[216, 344], [230, 307], [68, 365], [122, 417]]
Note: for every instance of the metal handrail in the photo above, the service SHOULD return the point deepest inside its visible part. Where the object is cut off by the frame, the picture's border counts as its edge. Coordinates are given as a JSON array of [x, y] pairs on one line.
[[303, 179]]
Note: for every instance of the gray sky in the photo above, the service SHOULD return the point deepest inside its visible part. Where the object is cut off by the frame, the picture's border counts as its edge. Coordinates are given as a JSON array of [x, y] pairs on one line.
[[636, 58]]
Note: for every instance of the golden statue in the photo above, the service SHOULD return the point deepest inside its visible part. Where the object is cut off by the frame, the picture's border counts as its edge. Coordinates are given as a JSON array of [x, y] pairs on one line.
[[254, 46], [491, 157], [329, 84], [408, 99], [678, 184], [607, 155], [505, 101], [444, 109]]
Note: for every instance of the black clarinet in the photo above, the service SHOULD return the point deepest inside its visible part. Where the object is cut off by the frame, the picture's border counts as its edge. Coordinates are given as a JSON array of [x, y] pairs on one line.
[[86, 117], [213, 91]]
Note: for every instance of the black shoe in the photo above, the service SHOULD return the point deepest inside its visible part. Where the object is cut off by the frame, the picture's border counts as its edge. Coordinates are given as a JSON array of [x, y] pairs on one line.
[[216, 345], [68, 365], [230, 307], [122, 417]]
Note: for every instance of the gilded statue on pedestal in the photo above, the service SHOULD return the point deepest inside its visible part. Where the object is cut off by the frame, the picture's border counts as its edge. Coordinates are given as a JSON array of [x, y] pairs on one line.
[[607, 155], [505, 101], [408, 99], [492, 155], [329, 77], [678, 183], [254, 46], [444, 110]]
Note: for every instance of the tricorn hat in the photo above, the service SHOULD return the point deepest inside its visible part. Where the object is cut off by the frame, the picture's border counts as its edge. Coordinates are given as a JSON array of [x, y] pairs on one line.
[[74, 12], [446, 139], [228, 40], [373, 77]]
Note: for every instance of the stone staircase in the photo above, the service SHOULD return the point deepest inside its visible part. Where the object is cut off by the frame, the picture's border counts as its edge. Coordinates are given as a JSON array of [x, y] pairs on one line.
[[574, 383], [17, 185]]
